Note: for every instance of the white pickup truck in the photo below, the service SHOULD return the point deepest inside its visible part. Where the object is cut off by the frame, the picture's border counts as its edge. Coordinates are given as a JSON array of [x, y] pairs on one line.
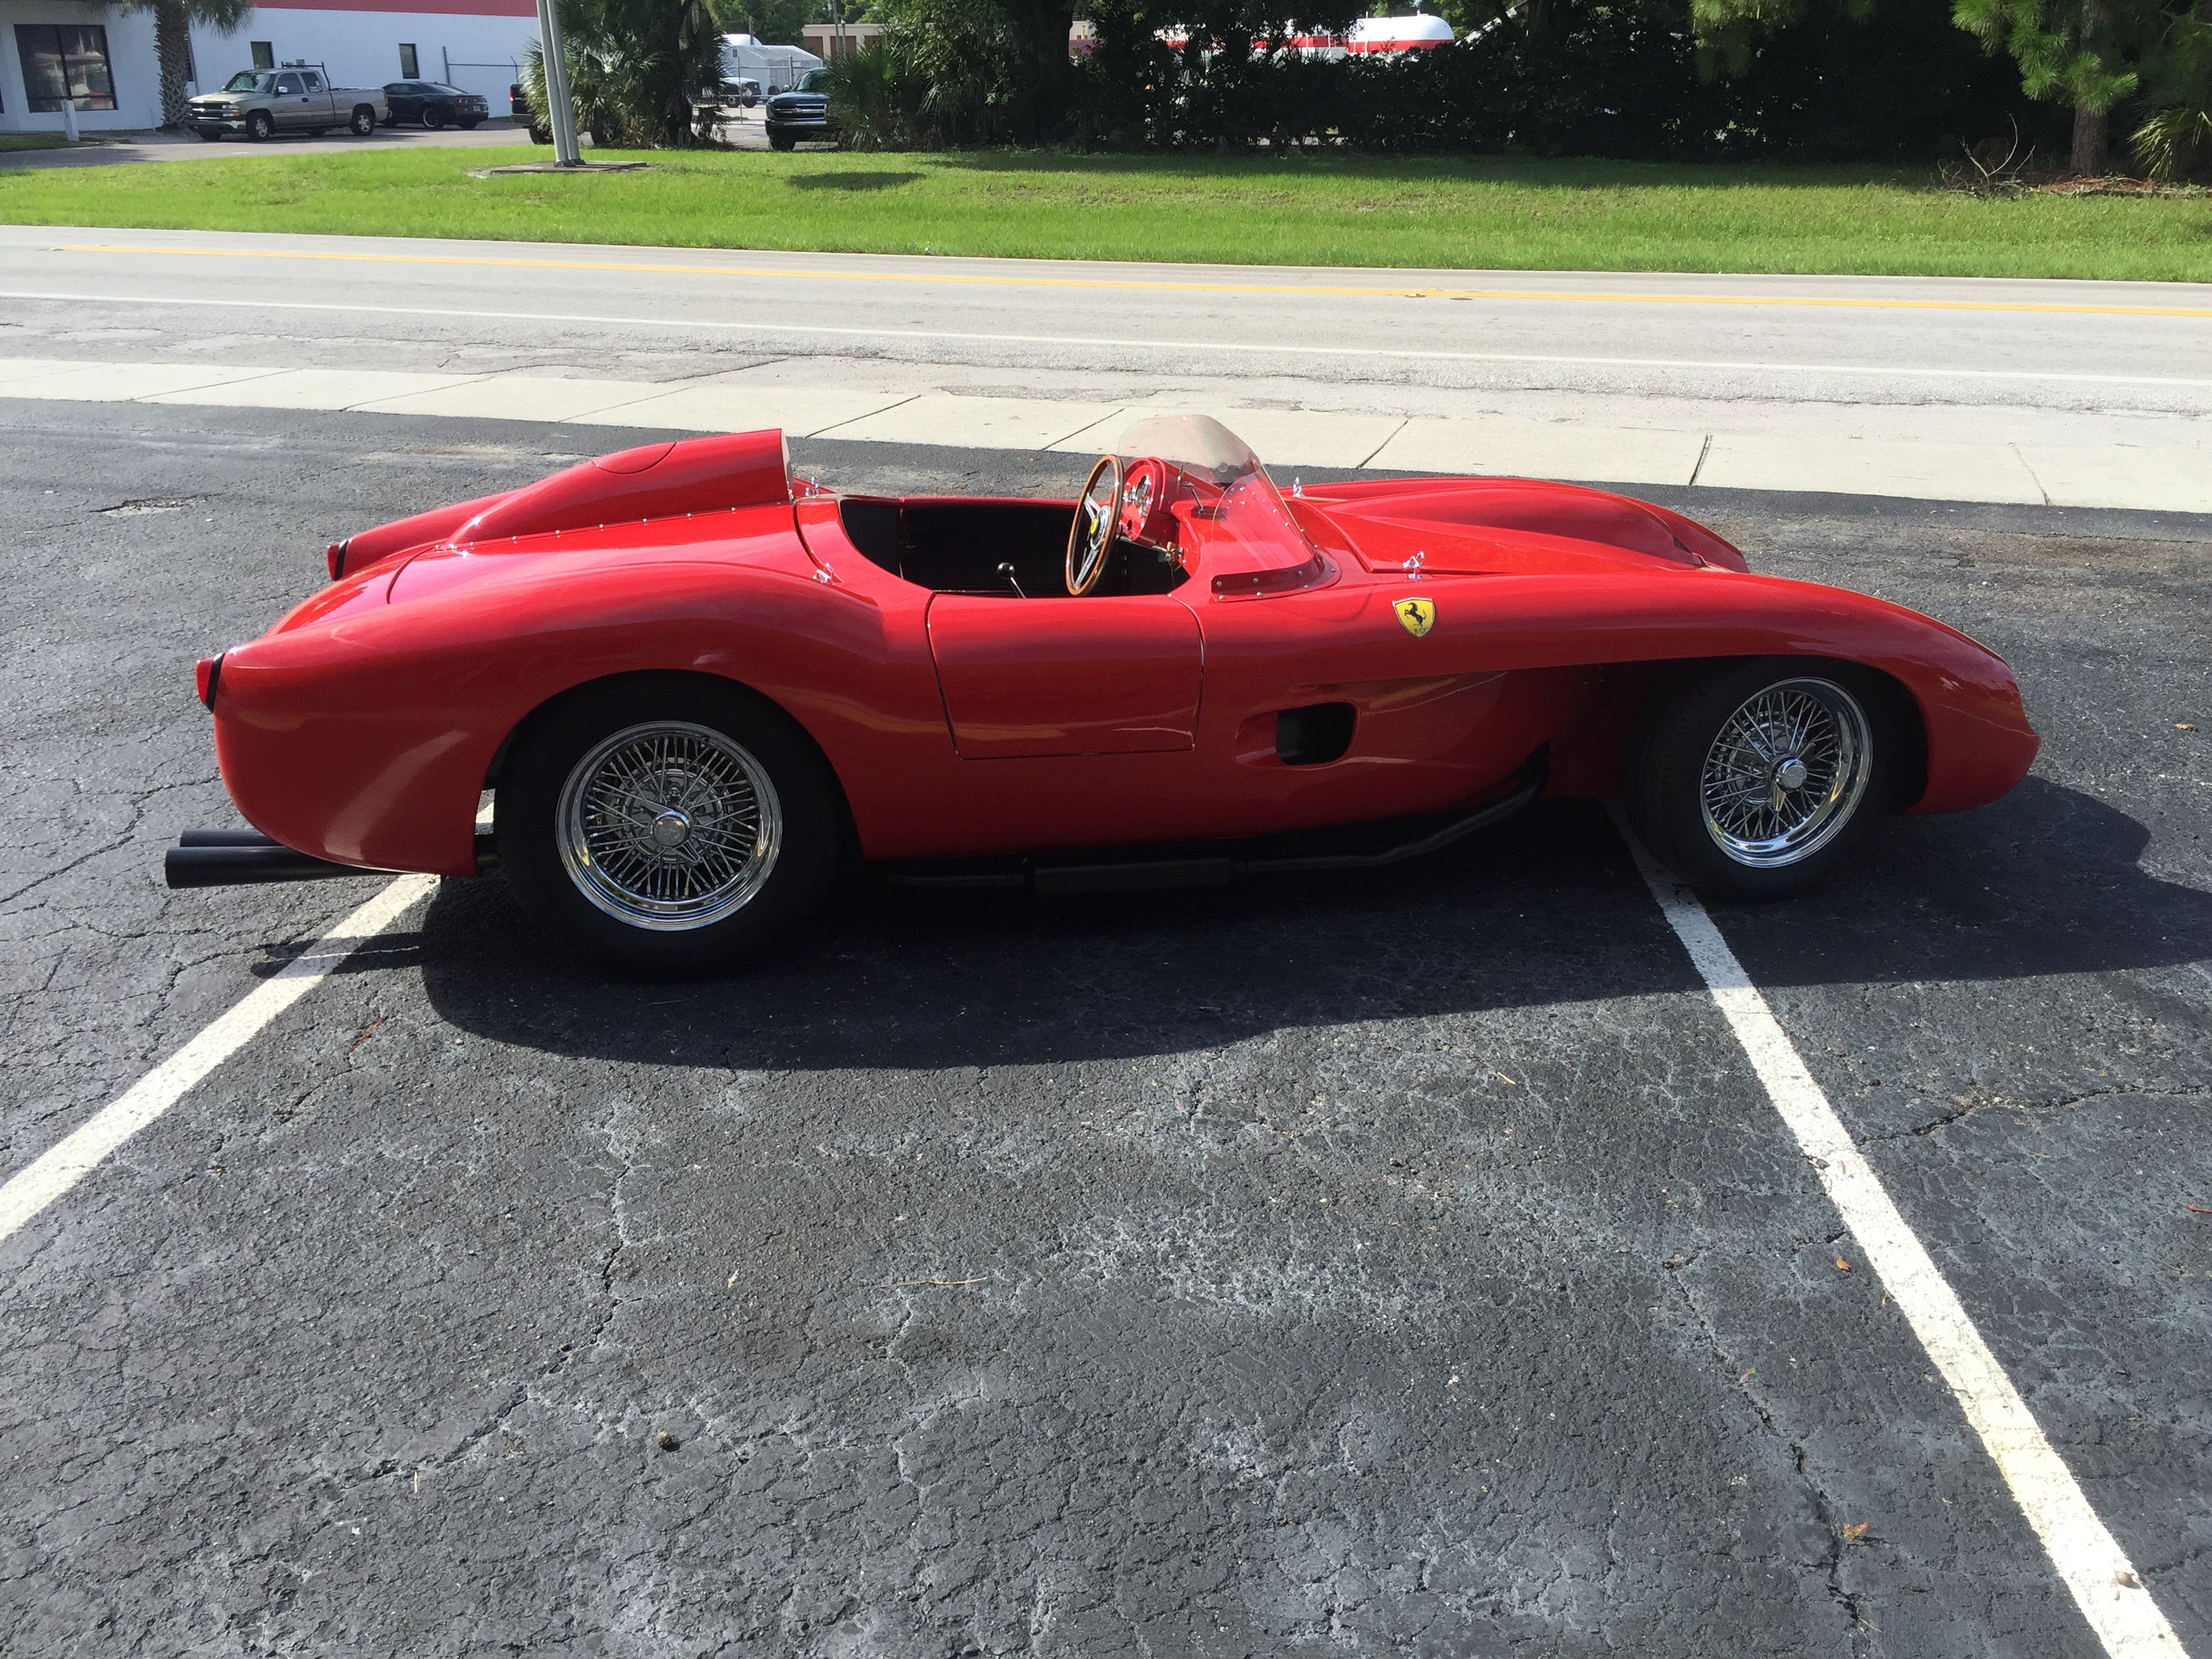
[[262, 103]]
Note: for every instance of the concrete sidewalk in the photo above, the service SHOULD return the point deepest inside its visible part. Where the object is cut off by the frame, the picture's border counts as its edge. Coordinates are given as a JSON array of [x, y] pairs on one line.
[[2175, 479]]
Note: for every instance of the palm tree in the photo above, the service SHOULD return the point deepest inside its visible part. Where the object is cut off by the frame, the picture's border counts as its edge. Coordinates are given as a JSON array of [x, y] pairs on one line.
[[173, 41], [634, 67]]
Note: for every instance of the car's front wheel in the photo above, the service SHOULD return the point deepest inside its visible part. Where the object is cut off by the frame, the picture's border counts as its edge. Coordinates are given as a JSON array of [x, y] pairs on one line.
[[260, 126], [1759, 781], [668, 825], [781, 141], [433, 116]]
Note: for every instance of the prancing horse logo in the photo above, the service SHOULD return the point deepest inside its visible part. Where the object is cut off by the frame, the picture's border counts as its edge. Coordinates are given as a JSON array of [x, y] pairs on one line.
[[1419, 615]]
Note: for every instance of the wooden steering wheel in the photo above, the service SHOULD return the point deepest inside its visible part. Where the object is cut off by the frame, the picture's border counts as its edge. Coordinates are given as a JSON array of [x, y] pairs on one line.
[[1091, 537]]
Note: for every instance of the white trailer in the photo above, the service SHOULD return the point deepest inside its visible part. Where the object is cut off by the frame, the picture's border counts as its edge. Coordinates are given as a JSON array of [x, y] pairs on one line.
[[775, 69]]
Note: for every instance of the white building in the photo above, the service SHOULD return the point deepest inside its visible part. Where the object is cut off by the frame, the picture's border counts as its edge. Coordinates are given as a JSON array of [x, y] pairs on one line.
[[102, 58]]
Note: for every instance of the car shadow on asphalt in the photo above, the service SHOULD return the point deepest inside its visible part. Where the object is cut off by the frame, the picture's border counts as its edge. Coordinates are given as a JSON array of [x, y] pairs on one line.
[[1546, 910]]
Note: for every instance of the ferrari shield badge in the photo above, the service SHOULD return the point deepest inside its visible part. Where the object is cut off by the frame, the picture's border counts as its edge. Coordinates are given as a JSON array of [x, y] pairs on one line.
[[1419, 615]]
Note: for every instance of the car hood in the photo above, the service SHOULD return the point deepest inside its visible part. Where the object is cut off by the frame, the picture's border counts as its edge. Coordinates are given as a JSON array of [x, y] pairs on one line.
[[1505, 526]]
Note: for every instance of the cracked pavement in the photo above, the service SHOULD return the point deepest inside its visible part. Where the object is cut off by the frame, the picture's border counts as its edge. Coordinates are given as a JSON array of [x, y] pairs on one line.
[[1382, 1265]]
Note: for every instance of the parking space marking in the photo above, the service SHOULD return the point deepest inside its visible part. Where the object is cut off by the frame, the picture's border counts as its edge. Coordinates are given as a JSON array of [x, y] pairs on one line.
[[2104, 1584], [62, 1165]]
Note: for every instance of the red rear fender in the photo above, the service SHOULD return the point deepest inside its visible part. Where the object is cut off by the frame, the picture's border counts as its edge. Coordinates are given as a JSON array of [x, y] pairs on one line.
[[658, 481], [365, 548]]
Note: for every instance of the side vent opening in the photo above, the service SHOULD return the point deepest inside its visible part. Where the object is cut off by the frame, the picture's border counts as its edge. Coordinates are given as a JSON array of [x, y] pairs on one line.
[[1314, 735]]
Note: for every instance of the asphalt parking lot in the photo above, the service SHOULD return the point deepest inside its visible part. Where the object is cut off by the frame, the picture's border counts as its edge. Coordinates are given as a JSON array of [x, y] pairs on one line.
[[1409, 1263]]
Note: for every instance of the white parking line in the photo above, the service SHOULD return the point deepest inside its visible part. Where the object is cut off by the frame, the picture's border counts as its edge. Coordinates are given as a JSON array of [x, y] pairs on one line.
[[2104, 1584], [62, 1165]]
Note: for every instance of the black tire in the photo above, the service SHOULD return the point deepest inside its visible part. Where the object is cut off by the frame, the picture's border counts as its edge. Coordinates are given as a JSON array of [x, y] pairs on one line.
[[541, 135], [1848, 777], [211, 137], [595, 902], [781, 141], [434, 117], [364, 120], [260, 126]]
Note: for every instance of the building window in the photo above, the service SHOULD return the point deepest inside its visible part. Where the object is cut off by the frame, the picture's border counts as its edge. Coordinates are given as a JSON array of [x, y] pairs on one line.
[[408, 70], [265, 55], [66, 62]]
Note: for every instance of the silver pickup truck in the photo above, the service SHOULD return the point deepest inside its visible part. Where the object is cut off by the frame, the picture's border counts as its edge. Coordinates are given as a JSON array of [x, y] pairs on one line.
[[262, 103]]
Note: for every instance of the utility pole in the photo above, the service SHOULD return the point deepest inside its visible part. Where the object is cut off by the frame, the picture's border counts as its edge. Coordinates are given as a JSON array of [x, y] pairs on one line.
[[562, 116]]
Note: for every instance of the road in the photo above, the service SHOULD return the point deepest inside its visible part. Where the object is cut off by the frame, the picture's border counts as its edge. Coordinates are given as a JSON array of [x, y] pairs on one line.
[[129, 150], [742, 129], [2079, 394], [1354, 1267]]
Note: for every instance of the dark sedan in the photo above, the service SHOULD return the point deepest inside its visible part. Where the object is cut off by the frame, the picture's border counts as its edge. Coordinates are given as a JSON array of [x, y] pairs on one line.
[[801, 113], [433, 104]]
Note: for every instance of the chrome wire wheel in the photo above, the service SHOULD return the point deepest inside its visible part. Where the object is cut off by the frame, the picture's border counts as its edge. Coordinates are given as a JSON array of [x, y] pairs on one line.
[[1785, 773], [668, 826]]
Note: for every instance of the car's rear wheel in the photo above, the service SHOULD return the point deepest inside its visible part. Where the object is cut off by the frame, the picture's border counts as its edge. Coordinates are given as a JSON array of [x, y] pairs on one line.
[[260, 126], [1761, 779], [364, 121], [668, 825]]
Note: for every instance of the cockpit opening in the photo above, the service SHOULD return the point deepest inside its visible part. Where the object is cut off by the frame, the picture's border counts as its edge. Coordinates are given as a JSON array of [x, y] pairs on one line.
[[958, 546]]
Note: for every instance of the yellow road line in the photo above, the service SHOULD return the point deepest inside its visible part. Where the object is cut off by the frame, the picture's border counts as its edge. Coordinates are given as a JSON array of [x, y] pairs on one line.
[[952, 277]]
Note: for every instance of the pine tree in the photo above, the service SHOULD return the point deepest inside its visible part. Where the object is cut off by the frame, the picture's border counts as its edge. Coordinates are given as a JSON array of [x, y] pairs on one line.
[[2093, 54], [2089, 53]]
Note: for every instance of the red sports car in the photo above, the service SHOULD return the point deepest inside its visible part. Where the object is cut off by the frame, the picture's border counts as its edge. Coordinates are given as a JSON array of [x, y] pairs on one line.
[[696, 692]]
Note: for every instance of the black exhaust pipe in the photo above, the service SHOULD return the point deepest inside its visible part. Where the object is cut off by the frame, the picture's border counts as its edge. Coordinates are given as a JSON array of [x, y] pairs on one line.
[[241, 858], [1134, 875]]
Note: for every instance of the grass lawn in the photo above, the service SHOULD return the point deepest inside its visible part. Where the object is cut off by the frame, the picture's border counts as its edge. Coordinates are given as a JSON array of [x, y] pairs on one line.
[[1452, 213]]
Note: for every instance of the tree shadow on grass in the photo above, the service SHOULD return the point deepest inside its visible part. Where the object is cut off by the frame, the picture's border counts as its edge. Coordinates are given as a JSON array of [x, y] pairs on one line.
[[1546, 910], [1532, 172], [850, 181]]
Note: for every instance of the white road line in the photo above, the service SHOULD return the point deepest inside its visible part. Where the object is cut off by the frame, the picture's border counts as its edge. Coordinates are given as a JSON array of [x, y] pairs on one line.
[[60, 1166], [1271, 348], [2105, 1585]]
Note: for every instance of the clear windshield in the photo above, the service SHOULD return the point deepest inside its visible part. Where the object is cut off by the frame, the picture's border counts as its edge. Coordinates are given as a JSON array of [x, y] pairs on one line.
[[1195, 445], [814, 81], [1228, 512], [247, 81]]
